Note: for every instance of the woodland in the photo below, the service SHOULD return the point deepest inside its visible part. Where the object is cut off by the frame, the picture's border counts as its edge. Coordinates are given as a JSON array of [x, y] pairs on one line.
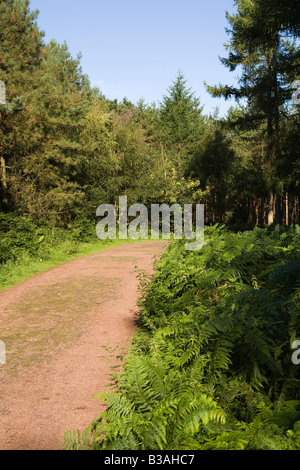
[[210, 366]]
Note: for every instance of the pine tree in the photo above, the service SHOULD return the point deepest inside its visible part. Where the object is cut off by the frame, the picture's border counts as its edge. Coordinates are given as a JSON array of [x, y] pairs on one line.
[[260, 46], [212, 164], [21, 47], [181, 114], [59, 105]]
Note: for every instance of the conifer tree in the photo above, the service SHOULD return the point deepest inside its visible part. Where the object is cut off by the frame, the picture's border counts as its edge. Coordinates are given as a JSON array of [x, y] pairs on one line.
[[259, 44], [21, 50], [181, 114]]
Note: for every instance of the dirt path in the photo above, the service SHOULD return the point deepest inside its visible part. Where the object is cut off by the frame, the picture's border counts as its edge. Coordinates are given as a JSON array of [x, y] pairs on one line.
[[55, 327]]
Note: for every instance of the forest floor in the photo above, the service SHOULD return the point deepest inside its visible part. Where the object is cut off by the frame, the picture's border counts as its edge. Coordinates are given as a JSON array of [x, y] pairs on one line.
[[65, 331]]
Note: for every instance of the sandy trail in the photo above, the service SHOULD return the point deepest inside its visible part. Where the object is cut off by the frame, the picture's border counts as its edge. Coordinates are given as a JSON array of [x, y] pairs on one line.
[[55, 327]]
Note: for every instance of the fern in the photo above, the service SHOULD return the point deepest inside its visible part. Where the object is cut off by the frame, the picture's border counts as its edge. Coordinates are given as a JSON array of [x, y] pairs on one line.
[[210, 366], [76, 440]]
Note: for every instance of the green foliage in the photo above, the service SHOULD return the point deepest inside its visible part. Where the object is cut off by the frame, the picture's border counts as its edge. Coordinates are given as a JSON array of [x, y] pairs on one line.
[[181, 115], [262, 43], [22, 236], [65, 149], [159, 407], [28, 248], [210, 366]]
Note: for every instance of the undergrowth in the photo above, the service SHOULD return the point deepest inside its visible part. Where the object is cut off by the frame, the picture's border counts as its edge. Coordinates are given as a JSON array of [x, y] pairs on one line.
[[27, 248], [210, 365]]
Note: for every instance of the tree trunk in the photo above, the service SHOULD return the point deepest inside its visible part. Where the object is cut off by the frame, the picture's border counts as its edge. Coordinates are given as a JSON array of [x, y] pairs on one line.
[[3, 180], [277, 208], [296, 210], [271, 204]]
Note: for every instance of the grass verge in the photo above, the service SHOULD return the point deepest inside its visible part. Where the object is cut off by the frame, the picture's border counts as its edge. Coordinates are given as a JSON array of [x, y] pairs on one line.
[[26, 266]]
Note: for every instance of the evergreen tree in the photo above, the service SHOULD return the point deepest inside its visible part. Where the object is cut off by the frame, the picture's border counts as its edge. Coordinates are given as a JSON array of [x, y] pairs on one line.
[[21, 52], [181, 115], [211, 164], [259, 44]]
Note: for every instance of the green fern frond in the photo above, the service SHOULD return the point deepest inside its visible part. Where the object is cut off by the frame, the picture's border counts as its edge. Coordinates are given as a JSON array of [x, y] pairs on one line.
[[76, 440]]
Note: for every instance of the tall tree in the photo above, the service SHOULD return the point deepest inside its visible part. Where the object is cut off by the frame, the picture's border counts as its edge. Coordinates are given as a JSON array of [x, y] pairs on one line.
[[211, 165], [259, 44], [181, 114], [21, 51]]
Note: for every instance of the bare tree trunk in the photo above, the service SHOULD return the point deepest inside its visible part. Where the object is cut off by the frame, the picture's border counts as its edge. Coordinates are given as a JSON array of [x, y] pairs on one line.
[[256, 202], [262, 211], [3, 180], [266, 205], [277, 208], [297, 209], [271, 212], [295, 213], [213, 210], [293, 217], [287, 208]]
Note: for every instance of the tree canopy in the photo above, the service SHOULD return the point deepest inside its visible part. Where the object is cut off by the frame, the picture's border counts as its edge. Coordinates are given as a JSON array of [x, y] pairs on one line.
[[65, 148]]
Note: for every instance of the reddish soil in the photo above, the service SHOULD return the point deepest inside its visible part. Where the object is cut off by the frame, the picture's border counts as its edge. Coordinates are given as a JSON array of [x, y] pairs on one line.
[[63, 330]]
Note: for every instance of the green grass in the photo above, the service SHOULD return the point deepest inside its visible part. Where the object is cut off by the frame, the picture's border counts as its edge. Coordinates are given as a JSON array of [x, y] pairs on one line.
[[28, 248], [26, 266]]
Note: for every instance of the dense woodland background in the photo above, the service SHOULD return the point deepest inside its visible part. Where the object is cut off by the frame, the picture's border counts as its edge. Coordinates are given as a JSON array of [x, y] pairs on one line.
[[211, 364], [65, 148]]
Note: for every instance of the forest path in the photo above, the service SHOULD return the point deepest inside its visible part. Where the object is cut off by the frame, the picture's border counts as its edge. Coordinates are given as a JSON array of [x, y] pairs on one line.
[[57, 328]]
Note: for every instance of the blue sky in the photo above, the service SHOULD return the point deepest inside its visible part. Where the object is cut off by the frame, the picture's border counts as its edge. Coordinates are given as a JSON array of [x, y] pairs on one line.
[[134, 48]]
